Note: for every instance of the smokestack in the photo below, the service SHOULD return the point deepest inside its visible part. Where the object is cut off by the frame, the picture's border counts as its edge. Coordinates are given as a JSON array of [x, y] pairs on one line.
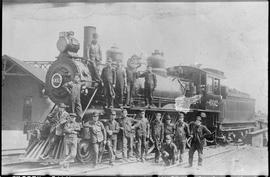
[[88, 36]]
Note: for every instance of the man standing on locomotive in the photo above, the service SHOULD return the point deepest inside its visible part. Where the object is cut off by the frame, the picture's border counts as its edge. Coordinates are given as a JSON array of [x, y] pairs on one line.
[[121, 82], [181, 134], [131, 79], [169, 128], [112, 129], [74, 89], [157, 135], [108, 77], [198, 133], [94, 57], [150, 84], [128, 134], [57, 118], [142, 129], [71, 129], [97, 137]]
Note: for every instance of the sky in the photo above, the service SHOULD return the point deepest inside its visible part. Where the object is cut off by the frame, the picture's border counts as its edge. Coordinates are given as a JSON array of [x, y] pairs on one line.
[[228, 36]]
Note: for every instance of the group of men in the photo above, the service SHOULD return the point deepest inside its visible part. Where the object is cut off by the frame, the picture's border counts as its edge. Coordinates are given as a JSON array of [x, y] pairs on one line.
[[168, 139], [116, 82]]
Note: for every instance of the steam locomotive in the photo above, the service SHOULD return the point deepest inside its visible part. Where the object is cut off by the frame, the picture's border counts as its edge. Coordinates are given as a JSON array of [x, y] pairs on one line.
[[187, 89]]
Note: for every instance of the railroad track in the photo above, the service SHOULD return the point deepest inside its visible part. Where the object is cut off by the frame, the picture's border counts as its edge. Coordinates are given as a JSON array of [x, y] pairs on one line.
[[79, 168]]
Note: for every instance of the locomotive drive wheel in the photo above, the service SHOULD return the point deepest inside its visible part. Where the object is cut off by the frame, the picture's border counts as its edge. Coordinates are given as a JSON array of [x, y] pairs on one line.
[[60, 72], [84, 153]]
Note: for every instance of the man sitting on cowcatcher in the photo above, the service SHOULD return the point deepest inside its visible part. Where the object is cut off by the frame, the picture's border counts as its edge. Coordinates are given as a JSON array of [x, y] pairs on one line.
[[56, 119]]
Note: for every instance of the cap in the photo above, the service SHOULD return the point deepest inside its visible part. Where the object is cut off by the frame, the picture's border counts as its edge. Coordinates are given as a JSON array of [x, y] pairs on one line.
[[203, 115], [109, 60], [198, 118], [168, 117], [73, 115], [113, 112], [62, 105], [168, 137], [95, 114]]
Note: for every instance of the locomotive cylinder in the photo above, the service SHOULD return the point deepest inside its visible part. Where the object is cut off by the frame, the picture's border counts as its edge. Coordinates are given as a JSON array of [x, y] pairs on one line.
[[88, 36]]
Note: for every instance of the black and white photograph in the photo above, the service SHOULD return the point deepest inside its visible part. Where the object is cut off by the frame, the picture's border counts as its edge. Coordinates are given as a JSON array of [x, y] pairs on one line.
[[134, 88]]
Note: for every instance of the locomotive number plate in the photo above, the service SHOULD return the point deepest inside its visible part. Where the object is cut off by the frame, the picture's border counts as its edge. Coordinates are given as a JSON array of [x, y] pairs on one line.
[[56, 80]]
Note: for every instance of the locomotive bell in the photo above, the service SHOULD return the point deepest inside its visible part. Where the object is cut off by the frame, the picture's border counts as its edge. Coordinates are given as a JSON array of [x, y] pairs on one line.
[[67, 43], [156, 60], [115, 54]]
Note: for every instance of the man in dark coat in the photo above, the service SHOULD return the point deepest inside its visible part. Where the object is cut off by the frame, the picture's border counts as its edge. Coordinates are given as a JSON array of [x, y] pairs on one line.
[[108, 77], [142, 129], [168, 151], [169, 128], [74, 89], [112, 129], [128, 134], [181, 134], [157, 135], [150, 84], [198, 133], [121, 82]]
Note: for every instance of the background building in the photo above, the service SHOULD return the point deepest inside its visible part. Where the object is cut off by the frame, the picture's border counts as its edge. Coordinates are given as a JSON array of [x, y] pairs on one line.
[[23, 100]]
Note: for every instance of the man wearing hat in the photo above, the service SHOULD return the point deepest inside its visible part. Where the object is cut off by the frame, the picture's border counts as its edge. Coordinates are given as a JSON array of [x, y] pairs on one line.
[[57, 118], [181, 134], [157, 135], [74, 89], [71, 129], [94, 57], [98, 137], [168, 151], [142, 129], [198, 133], [150, 84], [169, 128], [127, 134], [112, 129], [108, 77]]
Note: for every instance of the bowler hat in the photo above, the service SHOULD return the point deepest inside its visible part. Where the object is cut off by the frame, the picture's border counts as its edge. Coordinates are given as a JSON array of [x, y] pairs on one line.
[[168, 137], [62, 105]]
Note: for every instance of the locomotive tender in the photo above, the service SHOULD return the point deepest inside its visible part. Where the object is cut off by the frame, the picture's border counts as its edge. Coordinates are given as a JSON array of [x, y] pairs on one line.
[[187, 89]]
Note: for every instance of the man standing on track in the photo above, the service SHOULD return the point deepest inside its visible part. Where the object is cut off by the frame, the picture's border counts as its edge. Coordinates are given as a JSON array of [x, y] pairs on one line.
[[169, 128], [71, 129], [142, 129], [181, 134], [198, 133], [128, 135], [97, 137], [157, 135], [112, 129]]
